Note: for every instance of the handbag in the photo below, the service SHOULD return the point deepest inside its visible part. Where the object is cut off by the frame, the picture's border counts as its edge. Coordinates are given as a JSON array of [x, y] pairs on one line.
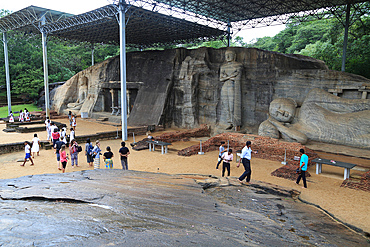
[[298, 171]]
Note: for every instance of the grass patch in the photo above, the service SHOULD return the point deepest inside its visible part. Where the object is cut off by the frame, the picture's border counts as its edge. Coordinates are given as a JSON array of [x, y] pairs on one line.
[[30, 108]]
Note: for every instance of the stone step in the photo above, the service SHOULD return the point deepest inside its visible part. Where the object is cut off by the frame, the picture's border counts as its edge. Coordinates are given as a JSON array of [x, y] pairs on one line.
[[102, 119], [9, 130], [47, 146]]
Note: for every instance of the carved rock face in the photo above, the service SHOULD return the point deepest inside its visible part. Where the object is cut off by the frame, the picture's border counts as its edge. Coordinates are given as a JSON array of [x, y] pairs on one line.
[[283, 109], [230, 56]]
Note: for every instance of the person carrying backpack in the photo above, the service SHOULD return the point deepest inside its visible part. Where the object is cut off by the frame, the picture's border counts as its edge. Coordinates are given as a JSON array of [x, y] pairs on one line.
[[73, 152]]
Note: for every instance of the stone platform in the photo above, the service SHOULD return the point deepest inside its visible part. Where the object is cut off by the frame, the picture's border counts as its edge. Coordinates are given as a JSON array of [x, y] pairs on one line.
[[111, 118]]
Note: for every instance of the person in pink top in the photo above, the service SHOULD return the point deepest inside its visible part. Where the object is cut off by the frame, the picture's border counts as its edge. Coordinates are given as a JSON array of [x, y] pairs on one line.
[[63, 157], [227, 158]]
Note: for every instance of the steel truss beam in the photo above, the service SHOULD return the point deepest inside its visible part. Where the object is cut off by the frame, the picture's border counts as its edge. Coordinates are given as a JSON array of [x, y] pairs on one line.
[[145, 28], [29, 19]]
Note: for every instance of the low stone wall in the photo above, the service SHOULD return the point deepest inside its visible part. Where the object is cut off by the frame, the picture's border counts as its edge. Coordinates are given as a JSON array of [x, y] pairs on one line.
[[16, 147], [19, 146], [268, 148], [362, 184], [170, 137], [111, 134]]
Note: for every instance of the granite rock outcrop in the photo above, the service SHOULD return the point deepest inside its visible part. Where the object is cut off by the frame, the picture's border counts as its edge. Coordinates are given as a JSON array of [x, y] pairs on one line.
[[184, 87]]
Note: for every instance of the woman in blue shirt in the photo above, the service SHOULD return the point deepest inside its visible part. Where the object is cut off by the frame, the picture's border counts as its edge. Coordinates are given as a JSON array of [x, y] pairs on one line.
[[96, 152]]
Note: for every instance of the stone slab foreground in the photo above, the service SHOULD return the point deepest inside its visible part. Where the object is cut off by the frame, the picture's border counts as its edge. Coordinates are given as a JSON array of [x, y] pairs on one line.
[[116, 208]]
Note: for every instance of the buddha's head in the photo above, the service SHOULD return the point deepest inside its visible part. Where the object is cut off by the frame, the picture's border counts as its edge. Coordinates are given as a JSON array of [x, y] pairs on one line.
[[82, 81], [283, 109], [230, 56]]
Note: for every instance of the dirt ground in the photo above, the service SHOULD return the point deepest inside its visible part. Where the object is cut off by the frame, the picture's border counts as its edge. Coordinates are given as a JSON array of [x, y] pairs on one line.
[[350, 206]]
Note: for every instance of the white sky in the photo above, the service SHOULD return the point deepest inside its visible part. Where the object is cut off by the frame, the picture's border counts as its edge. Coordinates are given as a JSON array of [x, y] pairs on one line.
[[82, 6]]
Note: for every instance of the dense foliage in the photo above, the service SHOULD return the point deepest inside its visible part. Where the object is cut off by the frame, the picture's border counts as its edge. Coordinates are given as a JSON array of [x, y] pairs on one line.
[[65, 58], [323, 39]]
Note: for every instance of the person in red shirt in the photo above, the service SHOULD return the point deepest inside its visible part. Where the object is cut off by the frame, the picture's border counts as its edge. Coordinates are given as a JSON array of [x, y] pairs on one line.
[[63, 157], [55, 135]]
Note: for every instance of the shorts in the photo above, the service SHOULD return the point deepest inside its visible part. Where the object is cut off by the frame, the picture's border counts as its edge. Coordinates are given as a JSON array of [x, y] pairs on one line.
[[58, 156], [28, 155], [64, 164]]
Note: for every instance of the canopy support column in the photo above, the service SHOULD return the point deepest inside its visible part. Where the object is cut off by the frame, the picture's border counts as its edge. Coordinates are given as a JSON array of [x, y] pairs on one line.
[[228, 33], [7, 74], [122, 32], [348, 12], [45, 62], [92, 54]]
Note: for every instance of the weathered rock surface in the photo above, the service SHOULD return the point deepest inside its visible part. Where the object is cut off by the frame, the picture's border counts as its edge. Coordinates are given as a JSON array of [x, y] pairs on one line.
[[116, 208], [323, 117], [183, 87]]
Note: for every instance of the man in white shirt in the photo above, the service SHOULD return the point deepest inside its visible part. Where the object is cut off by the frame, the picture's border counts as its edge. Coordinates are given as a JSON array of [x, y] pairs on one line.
[[227, 158], [246, 159], [47, 125]]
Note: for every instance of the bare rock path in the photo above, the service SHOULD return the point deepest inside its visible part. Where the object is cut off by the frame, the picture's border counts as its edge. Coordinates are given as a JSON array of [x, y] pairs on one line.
[[116, 207]]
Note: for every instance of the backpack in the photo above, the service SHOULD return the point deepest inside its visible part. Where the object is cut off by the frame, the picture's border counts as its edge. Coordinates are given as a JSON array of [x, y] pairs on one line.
[[90, 149]]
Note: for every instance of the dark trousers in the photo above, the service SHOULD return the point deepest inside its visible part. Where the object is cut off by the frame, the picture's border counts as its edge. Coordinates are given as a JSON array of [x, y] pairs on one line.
[[247, 173], [225, 166], [303, 176], [124, 164], [219, 162]]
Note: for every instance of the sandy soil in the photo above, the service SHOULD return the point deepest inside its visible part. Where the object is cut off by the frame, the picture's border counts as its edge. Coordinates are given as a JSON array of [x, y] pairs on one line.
[[348, 205]]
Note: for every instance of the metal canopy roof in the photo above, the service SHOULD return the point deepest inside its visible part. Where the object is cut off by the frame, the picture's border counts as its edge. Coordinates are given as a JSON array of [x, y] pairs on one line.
[[143, 28], [242, 10], [29, 19]]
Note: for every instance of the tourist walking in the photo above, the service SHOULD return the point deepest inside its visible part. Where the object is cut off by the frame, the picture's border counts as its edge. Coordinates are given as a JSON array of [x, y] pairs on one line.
[[73, 152], [63, 157], [107, 157], [70, 118], [227, 158], [21, 116], [58, 145], [63, 135], [27, 150], [55, 135], [27, 115], [303, 164], [124, 152], [35, 146], [71, 135], [96, 155], [88, 152], [221, 150], [48, 130], [74, 123], [11, 117], [246, 160]]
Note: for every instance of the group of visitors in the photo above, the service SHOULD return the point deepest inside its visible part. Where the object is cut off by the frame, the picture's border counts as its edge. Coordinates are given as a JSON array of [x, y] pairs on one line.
[[53, 133], [226, 156], [24, 116], [93, 155]]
